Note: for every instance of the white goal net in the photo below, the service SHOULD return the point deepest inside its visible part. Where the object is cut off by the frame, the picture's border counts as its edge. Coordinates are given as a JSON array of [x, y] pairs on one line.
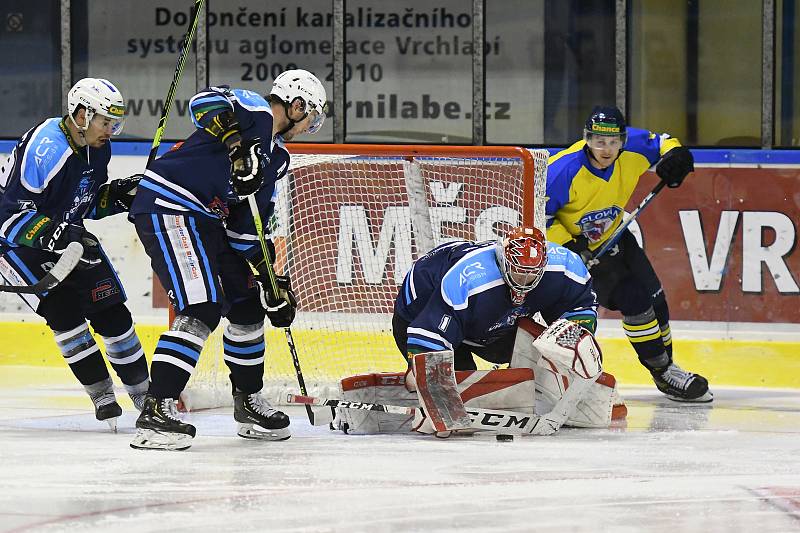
[[350, 220]]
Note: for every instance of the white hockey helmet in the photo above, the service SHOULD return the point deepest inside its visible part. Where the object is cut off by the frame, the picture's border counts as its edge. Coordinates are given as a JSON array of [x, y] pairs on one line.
[[299, 83], [100, 97]]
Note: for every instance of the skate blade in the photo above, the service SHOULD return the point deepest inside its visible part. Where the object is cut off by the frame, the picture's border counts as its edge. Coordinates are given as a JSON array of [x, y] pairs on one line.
[[112, 423], [148, 439], [249, 431], [708, 397]]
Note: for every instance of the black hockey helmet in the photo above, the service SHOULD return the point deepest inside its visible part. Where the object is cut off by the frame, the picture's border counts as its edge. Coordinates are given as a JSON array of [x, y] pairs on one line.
[[607, 121]]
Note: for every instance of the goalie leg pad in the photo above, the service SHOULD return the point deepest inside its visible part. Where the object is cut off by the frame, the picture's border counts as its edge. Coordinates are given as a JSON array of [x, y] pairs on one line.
[[562, 355], [386, 388]]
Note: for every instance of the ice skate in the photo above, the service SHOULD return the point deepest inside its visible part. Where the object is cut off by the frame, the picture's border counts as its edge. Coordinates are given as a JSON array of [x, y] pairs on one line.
[[682, 386], [105, 403], [159, 428], [257, 419]]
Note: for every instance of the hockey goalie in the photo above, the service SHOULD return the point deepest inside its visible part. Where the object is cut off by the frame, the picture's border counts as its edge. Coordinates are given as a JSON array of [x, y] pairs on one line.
[[555, 379]]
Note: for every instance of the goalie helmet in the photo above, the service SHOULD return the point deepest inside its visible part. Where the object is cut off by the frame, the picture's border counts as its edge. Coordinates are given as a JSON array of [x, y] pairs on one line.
[[605, 121], [100, 97], [522, 258], [299, 83]]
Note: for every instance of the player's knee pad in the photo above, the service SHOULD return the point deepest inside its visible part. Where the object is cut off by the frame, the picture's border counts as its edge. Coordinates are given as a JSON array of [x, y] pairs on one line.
[[112, 321], [208, 313], [241, 330], [660, 306], [57, 308], [192, 325], [629, 298], [248, 311]]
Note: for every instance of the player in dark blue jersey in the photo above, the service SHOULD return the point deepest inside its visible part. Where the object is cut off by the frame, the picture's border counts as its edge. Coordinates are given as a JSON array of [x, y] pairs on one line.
[[588, 185], [192, 214], [467, 297], [57, 176]]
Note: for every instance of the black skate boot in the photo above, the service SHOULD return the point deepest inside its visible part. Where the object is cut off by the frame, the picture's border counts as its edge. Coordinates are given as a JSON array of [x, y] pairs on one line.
[[159, 428], [257, 419], [682, 386], [105, 403]]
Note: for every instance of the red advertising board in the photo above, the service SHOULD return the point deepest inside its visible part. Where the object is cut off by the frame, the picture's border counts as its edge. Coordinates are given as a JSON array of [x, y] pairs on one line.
[[724, 244]]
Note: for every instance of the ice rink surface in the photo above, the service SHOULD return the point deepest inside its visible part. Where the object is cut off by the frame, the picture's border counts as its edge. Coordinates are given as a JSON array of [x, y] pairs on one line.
[[732, 466]]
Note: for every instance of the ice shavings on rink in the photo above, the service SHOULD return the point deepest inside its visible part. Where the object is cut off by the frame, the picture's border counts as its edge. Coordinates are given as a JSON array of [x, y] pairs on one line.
[[731, 466]]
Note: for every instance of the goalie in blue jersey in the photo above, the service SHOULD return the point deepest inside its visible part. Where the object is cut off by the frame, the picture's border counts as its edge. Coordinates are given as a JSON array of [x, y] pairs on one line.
[[192, 214], [472, 298], [467, 297]]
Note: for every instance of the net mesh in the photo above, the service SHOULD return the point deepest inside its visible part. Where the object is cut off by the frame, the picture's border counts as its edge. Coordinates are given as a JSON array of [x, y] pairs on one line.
[[348, 224]]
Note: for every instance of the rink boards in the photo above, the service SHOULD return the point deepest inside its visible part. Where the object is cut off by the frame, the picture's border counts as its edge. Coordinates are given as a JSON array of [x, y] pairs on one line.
[[330, 356]]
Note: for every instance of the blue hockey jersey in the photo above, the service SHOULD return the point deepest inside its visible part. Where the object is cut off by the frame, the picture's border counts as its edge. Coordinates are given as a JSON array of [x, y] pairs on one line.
[[456, 294], [195, 177], [49, 179]]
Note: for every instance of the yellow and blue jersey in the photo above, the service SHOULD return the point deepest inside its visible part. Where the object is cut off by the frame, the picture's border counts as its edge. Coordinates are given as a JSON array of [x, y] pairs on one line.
[[585, 200]]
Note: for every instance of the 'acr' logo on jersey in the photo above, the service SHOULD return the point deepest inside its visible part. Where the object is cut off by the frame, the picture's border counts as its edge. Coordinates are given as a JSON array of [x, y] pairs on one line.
[[473, 270], [595, 223]]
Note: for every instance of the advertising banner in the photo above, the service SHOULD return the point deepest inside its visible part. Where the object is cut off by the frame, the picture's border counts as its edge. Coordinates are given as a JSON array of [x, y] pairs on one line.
[[725, 244], [408, 69]]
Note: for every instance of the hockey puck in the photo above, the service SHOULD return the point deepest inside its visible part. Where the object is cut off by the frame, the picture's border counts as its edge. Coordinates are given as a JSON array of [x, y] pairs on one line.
[[505, 437]]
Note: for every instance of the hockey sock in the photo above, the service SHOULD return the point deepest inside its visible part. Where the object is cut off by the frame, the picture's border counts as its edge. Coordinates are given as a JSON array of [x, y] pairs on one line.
[[102, 392], [244, 355], [176, 356], [82, 354], [666, 338], [126, 355], [644, 334], [662, 314]]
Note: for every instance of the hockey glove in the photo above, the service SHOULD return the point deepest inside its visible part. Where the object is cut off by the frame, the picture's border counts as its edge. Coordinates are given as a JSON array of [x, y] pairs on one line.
[[281, 308], [58, 236], [119, 193], [674, 166], [580, 245], [246, 175]]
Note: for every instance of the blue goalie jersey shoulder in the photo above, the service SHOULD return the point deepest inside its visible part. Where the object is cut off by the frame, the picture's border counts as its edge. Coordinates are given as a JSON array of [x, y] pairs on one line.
[[560, 259], [474, 273], [45, 155]]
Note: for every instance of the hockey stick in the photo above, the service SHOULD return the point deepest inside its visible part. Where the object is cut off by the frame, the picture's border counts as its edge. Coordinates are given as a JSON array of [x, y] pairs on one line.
[[65, 264], [273, 288], [185, 47], [618, 234], [500, 421]]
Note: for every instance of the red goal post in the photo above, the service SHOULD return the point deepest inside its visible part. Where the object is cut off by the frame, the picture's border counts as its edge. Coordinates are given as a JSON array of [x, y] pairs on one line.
[[349, 221]]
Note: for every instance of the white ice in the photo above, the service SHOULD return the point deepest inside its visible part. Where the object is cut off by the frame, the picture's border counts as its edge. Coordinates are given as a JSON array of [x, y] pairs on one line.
[[730, 467]]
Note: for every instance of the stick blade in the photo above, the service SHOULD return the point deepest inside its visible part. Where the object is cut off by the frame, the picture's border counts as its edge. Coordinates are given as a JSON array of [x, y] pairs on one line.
[[67, 263]]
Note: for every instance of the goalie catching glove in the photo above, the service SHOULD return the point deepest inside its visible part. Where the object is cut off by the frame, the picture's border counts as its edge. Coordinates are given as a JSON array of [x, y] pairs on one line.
[[281, 307], [565, 345]]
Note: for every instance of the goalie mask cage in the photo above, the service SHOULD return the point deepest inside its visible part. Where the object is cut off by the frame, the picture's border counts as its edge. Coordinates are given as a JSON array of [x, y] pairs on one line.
[[349, 221]]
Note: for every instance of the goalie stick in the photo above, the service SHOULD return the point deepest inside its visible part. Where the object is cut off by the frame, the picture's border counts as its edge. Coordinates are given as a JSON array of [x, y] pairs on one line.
[[499, 421], [65, 264]]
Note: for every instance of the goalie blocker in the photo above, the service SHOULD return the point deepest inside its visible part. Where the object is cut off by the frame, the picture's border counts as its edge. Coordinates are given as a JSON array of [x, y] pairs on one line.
[[555, 373]]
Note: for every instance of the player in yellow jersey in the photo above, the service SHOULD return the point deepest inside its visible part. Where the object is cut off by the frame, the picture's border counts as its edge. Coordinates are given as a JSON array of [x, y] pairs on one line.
[[588, 185]]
